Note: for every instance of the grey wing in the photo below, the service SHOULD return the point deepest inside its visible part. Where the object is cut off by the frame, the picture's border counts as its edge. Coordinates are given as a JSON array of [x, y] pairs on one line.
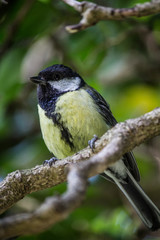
[[104, 109]]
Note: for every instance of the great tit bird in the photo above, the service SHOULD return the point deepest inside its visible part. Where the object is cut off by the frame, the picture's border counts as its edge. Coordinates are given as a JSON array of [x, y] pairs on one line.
[[70, 113]]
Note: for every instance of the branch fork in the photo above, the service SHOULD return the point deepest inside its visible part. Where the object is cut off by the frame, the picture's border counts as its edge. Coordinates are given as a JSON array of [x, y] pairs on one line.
[[108, 149]]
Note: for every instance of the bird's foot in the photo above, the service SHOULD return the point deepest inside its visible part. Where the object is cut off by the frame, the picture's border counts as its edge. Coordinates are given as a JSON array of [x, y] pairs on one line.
[[50, 162], [91, 142]]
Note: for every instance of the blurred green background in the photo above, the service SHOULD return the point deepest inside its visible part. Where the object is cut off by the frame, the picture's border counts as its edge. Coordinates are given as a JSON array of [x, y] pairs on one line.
[[121, 59]]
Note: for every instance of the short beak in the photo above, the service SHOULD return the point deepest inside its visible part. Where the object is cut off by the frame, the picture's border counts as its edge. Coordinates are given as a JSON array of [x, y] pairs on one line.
[[37, 80]]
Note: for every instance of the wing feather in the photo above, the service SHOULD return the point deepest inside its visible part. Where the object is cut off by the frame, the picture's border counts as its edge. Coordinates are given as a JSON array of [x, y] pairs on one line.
[[104, 109]]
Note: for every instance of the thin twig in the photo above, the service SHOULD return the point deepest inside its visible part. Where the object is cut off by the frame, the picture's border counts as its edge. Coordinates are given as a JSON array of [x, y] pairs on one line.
[[93, 13]]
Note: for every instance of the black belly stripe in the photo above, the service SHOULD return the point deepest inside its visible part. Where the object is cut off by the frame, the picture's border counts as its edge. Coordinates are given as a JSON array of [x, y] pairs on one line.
[[47, 100], [65, 134]]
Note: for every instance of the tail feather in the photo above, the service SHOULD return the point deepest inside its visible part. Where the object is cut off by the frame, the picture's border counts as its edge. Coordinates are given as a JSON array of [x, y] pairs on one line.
[[145, 208]]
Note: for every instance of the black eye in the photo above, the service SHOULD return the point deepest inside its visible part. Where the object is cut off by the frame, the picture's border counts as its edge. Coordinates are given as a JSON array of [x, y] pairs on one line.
[[57, 76]]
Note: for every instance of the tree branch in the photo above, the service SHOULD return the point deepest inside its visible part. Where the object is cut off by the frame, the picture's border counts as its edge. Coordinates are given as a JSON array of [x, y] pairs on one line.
[[113, 144], [93, 13], [53, 210]]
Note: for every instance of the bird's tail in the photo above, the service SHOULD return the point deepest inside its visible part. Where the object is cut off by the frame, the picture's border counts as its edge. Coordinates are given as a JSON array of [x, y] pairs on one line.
[[145, 208]]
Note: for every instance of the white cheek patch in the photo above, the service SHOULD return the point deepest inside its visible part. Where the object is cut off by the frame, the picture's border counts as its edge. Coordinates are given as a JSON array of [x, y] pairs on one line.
[[66, 84]]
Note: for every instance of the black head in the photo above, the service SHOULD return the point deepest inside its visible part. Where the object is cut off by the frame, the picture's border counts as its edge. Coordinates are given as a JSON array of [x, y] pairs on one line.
[[53, 82], [56, 73]]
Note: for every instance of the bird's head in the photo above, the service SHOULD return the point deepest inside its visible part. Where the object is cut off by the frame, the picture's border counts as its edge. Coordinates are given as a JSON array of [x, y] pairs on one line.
[[58, 78]]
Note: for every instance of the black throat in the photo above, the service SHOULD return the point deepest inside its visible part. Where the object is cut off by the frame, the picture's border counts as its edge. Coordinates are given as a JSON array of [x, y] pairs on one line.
[[47, 98]]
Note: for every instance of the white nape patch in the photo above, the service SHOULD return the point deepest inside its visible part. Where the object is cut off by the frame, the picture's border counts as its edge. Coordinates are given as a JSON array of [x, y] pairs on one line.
[[66, 84]]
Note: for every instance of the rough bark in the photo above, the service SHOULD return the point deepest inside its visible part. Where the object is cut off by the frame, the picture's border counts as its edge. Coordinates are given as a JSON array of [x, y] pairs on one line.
[[93, 13], [113, 144]]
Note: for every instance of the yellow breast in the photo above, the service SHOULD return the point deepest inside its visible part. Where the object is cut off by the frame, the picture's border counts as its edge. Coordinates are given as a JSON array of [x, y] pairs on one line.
[[80, 116]]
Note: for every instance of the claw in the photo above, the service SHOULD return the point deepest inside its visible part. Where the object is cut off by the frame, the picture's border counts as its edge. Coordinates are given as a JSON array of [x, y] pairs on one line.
[[91, 142], [50, 162]]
